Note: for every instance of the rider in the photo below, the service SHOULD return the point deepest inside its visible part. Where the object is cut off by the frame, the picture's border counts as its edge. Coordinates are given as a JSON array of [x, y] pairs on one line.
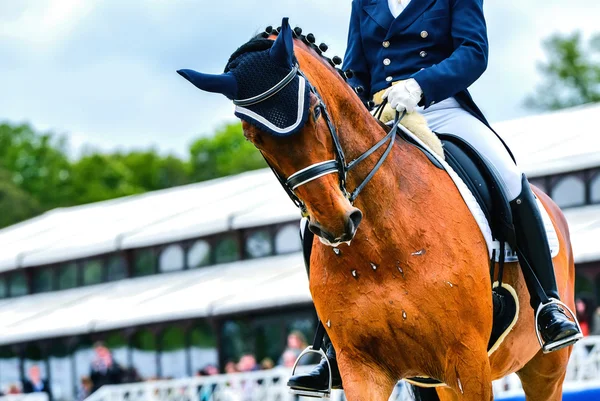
[[423, 55]]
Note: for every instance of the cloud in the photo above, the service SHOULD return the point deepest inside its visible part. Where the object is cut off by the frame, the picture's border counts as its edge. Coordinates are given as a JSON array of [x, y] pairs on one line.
[[105, 71]]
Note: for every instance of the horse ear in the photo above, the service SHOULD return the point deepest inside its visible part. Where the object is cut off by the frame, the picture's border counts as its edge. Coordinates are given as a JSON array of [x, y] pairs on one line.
[[282, 51], [224, 84]]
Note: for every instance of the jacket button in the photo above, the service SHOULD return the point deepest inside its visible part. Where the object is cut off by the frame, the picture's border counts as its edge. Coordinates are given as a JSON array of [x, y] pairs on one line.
[[387, 61], [424, 34], [423, 53], [386, 43], [389, 79]]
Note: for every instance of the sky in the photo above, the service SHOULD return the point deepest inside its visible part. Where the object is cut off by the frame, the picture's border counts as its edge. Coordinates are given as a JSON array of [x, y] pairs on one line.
[[103, 72]]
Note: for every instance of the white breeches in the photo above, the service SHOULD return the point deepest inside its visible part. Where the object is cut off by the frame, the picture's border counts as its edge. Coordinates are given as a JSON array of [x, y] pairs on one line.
[[447, 117]]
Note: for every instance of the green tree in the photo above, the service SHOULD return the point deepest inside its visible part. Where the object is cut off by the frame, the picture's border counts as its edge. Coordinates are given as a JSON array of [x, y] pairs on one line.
[[16, 204], [571, 74], [227, 152], [98, 177], [37, 164], [101, 176]]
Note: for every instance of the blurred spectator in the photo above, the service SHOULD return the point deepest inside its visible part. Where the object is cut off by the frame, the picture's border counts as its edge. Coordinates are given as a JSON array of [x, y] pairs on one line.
[[205, 392], [581, 310], [104, 369], [267, 364], [247, 363], [14, 389], [209, 370], [288, 358], [85, 388], [296, 343], [35, 384], [131, 375], [230, 367], [596, 322]]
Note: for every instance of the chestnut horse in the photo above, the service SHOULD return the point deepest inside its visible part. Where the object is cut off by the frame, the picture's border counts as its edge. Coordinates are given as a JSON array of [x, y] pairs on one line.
[[410, 295]]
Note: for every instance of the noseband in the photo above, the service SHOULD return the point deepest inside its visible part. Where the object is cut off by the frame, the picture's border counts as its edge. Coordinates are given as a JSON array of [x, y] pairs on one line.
[[337, 165]]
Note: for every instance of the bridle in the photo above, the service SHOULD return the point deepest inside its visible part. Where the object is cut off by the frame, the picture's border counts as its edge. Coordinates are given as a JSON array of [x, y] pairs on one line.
[[337, 165]]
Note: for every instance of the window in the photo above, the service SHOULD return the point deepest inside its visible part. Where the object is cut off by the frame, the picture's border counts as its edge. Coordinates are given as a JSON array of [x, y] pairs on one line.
[[67, 276], [171, 259], [92, 272], [258, 244], [227, 250], [3, 292], [288, 239], [143, 354], [42, 280], [569, 191], [199, 254], [144, 263], [203, 346], [595, 189], [117, 269], [18, 284], [173, 359]]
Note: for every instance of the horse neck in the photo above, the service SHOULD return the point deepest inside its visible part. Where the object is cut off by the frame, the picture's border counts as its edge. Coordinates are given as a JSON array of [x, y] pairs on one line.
[[403, 187]]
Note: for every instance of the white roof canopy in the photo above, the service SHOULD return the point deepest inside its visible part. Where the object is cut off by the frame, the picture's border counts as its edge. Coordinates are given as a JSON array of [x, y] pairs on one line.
[[556, 142], [253, 198], [210, 291]]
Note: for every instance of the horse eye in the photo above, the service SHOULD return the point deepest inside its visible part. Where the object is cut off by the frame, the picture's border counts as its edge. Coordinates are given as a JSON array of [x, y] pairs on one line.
[[316, 113]]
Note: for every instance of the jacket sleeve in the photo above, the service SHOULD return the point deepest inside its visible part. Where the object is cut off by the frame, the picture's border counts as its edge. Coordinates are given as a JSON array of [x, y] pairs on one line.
[[354, 59], [467, 62]]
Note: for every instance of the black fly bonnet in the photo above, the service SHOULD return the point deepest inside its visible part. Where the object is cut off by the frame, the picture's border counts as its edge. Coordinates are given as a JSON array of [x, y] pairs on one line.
[[270, 96]]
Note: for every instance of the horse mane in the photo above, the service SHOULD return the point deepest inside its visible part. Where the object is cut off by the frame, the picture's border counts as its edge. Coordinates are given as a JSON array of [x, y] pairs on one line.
[[260, 42]]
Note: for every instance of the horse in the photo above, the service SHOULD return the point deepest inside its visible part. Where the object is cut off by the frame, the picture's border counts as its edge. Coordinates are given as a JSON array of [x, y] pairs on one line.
[[400, 276]]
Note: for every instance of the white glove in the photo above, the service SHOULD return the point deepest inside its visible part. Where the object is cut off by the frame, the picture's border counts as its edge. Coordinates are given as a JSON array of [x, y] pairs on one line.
[[405, 95]]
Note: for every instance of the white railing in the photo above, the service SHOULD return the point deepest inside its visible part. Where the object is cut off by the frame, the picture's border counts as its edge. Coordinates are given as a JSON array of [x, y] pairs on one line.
[[270, 385], [25, 397]]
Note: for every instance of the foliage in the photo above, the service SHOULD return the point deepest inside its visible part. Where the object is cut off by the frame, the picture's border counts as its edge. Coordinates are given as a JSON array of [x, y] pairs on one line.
[[228, 152], [572, 73], [36, 174]]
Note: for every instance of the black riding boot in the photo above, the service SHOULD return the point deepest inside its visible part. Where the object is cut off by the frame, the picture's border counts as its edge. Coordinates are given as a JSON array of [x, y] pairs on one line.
[[316, 381], [556, 329]]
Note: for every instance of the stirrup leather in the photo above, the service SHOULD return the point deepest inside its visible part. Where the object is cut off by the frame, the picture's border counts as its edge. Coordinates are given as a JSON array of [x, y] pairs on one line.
[[565, 342], [313, 393]]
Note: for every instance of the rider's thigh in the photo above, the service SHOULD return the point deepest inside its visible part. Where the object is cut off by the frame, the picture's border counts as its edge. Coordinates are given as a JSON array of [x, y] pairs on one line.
[[459, 122]]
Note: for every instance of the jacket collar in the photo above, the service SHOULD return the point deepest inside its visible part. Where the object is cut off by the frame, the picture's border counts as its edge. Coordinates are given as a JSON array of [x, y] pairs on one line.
[[380, 12], [410, 14]]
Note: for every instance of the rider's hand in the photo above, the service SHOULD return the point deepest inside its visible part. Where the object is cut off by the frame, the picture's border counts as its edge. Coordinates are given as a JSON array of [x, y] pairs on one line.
[[405, 95]]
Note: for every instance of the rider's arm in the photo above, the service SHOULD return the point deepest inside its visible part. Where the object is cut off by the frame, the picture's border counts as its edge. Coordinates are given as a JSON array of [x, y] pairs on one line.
[[468, 60], [355, 58]]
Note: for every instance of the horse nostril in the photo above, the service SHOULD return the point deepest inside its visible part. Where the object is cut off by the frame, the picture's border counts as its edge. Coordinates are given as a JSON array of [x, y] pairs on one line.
[[354, 220], [314, 229]]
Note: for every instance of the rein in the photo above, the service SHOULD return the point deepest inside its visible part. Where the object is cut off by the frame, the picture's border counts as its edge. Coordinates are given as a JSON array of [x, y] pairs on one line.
[[337, 165]]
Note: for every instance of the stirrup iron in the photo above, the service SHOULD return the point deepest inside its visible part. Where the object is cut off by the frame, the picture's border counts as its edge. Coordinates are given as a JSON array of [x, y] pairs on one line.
[[565, 342], [313, 393]]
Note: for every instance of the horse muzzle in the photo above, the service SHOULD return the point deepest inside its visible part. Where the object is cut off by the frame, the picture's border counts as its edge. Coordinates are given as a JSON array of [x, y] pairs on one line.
[[351, 221]]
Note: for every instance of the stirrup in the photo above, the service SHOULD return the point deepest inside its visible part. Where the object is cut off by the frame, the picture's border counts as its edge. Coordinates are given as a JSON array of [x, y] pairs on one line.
[[562, 343], [313, 393]]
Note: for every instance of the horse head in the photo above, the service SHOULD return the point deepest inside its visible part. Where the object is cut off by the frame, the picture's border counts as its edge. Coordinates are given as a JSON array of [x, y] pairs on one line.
[[285, 117]]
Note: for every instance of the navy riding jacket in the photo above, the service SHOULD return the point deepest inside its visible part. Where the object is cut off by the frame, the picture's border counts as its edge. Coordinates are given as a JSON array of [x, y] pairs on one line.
[[442, 44]]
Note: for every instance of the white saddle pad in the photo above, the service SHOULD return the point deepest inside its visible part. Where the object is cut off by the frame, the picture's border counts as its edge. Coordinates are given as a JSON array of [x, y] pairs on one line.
[[492, 245]]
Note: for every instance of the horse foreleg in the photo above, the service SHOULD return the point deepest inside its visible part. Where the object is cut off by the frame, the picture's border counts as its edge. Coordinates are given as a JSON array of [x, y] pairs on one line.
[[364, 381], [468, 377], [542, 377]]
